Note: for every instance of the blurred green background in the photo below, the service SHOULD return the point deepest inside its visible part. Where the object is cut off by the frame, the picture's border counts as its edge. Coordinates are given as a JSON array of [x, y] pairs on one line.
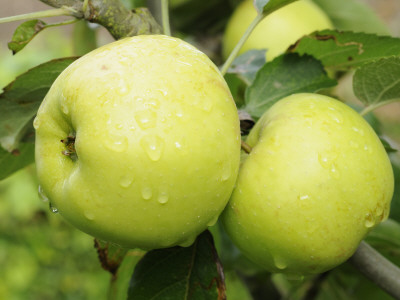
[[41, 256]]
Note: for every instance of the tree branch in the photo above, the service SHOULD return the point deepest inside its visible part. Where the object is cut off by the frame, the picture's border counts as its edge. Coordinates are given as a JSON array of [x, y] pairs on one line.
[[377, 268], [113, 15]]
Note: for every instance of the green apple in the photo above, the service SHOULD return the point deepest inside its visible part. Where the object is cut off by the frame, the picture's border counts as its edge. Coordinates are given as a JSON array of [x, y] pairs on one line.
[[277, 31], [315, 183], [138, 143]]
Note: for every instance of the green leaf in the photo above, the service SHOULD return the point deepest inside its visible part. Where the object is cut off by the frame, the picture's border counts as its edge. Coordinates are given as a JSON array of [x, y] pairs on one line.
[[268, 6], [343, 50], [378, 81], [395, 205], [120, 282], [21, 99], [18, 159], [388, 147], [285, 75], [247, 65], [24, 34], [235, 288], [351, 15], [180, 273], [84, 38]]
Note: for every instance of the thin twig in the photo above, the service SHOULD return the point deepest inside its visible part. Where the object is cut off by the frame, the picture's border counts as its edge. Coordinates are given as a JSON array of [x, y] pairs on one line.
[[377, 268]]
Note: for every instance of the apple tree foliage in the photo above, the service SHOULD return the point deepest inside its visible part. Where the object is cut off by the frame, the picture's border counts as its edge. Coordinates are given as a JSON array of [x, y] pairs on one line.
[[213, 268]]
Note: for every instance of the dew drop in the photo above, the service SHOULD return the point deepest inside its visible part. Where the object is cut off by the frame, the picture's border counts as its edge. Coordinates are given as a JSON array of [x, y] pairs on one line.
[[36, 123], [213, 221], [336, 118], [335, 172], [226, 172], [207, 104], [64, 108], [163, 197], [367, 148], [153, 146], [358, 130], [354, 145], [126, 180], [369, 220], [89, 215], [324, 161], [42, 194], [178, 145], [303, 197], [146, 119], [52, 208], [280, 263], [147, 193], [119, 126], [117, 143], [188, 242]]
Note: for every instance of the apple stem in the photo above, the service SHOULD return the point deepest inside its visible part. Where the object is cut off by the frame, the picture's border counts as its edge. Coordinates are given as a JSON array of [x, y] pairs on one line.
[[40, 14], [377, 268], [165, 17], [241, 42], [245, 147]]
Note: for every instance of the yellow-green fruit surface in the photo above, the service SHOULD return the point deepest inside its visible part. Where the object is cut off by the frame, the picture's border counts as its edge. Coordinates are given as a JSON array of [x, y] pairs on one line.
[[157, 142], [277, 31], [315, 183]]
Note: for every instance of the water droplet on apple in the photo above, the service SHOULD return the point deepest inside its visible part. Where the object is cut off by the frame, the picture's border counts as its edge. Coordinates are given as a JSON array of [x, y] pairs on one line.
[[178, 145], [117, 143], [146, 119], [369, 220], [336, 118], [335, 172], [89, 215], [213, 221], [163, 197], [303, 197], [147, 192], [207, 104], [52, 208], [126, 180], [42, 194], [367, 148], [64, 108], [358, 130], [226, 172], [188, 242], [153, 146], [280, 263], [36, 123], [354, 145], [324, 161]]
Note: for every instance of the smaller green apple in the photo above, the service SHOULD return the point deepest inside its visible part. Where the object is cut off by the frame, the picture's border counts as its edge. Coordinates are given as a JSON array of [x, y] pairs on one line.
[[315, 183], [277, 31]]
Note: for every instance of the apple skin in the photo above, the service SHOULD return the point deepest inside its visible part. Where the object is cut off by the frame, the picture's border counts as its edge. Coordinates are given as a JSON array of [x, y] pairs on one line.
[[315, 183], [277, 31], [157, 143]]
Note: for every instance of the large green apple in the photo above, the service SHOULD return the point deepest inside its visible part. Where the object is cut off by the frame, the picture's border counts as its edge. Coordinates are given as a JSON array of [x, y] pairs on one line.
[[277, 31], [138, 142], [315, 183]]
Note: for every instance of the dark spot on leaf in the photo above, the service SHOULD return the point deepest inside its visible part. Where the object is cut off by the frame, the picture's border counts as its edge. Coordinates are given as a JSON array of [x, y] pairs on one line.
[[15, 152]]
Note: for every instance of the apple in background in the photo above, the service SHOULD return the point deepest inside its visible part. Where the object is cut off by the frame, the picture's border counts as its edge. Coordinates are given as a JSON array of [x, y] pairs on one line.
[[277, 31], [315, 183], [138, 143]]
